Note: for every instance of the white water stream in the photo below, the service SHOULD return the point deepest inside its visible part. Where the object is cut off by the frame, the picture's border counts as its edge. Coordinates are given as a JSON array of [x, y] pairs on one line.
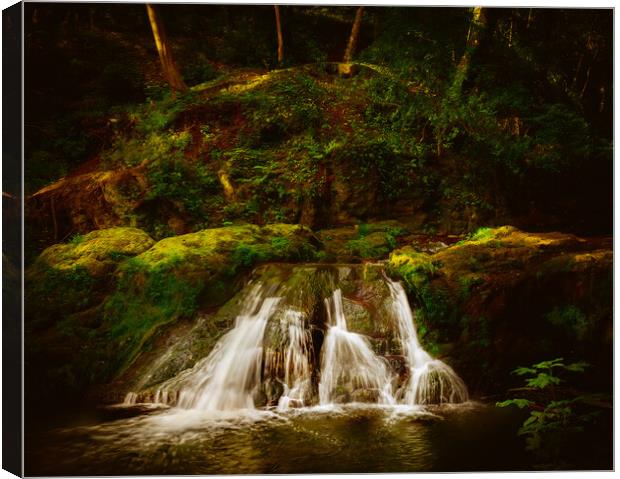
[[430, 381], [231, 375], [349, 366]]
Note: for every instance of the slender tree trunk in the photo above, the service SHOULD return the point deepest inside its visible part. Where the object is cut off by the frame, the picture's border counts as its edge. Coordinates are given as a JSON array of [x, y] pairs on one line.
[[355, 33], [587, 79], [280, 39], [477, 25], [171, 72]]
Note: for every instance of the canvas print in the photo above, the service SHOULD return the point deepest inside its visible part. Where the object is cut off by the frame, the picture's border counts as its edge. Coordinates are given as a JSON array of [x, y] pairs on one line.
[[285, 239]]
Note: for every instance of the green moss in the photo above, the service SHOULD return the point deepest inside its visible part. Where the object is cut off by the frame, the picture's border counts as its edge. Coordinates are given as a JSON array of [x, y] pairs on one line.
[[72, 276], [438, 309], [56, 291], [94, 249], [153, 147], [414, 267], [371, 244], [482, 234], [76, 239], [145, 299], [468, 283]]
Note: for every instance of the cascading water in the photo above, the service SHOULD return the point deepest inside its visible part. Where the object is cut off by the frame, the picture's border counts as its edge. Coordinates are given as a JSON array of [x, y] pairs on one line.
[[430, 380], [294, 361], [230, 376], [349, 366], [269, 358]]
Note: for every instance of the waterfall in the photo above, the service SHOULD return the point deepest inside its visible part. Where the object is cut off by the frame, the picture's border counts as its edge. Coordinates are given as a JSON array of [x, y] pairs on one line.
[[269, 358], [229, 378], [350, 370], [430, 380]]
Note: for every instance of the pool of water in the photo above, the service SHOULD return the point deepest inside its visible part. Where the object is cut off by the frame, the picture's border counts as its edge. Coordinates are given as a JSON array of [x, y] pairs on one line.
[[351, 438]]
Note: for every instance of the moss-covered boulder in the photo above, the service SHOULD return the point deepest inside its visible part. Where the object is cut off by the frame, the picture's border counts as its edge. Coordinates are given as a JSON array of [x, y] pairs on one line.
[[106, 296], [504, 298], [180, 274], [72, 276]]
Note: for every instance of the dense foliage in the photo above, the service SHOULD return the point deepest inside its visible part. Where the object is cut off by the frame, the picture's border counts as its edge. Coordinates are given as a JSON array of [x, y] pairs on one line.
[[523, 135]]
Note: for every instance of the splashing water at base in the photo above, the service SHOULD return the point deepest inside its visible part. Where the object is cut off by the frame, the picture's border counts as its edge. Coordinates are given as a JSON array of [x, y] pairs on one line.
[[348, 438], [350, 370], [430, 380]]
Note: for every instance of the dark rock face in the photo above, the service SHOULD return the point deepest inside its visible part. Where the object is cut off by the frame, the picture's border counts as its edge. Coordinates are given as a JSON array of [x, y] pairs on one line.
[[507, 298]]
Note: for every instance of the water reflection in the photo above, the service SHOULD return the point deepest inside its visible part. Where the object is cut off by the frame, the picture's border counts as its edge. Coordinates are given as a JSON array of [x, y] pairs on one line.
[[347, 438]]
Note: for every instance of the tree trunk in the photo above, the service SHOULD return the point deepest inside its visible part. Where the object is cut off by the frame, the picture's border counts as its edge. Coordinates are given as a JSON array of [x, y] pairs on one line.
[[171, 72], [477, 25], [355, 33], [280, 40]]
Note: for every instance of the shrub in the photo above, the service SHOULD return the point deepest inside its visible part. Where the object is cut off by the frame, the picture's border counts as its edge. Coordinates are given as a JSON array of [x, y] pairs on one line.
[[557, 417]]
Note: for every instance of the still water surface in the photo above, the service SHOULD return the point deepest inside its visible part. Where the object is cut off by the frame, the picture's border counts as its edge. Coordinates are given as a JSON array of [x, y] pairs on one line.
[[351, 438]]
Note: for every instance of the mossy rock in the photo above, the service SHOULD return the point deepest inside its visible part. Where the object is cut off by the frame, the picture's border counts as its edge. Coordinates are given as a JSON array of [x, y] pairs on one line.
[[374, 245], [232, 247], [363, 241], [414, 267], [116, 289], [359, 319], [96, 251], [178, 275], [334, 242], [504, 297], [73, 276]]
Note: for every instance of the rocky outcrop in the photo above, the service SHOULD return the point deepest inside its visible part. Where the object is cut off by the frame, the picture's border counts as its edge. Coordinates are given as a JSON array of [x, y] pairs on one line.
[[71, 277], [506, 298], [96, 303], [302, 290], [85, 202]]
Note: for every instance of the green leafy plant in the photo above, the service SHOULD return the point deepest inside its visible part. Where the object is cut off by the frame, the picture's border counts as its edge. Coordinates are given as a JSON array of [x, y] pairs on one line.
[[555, 413]]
